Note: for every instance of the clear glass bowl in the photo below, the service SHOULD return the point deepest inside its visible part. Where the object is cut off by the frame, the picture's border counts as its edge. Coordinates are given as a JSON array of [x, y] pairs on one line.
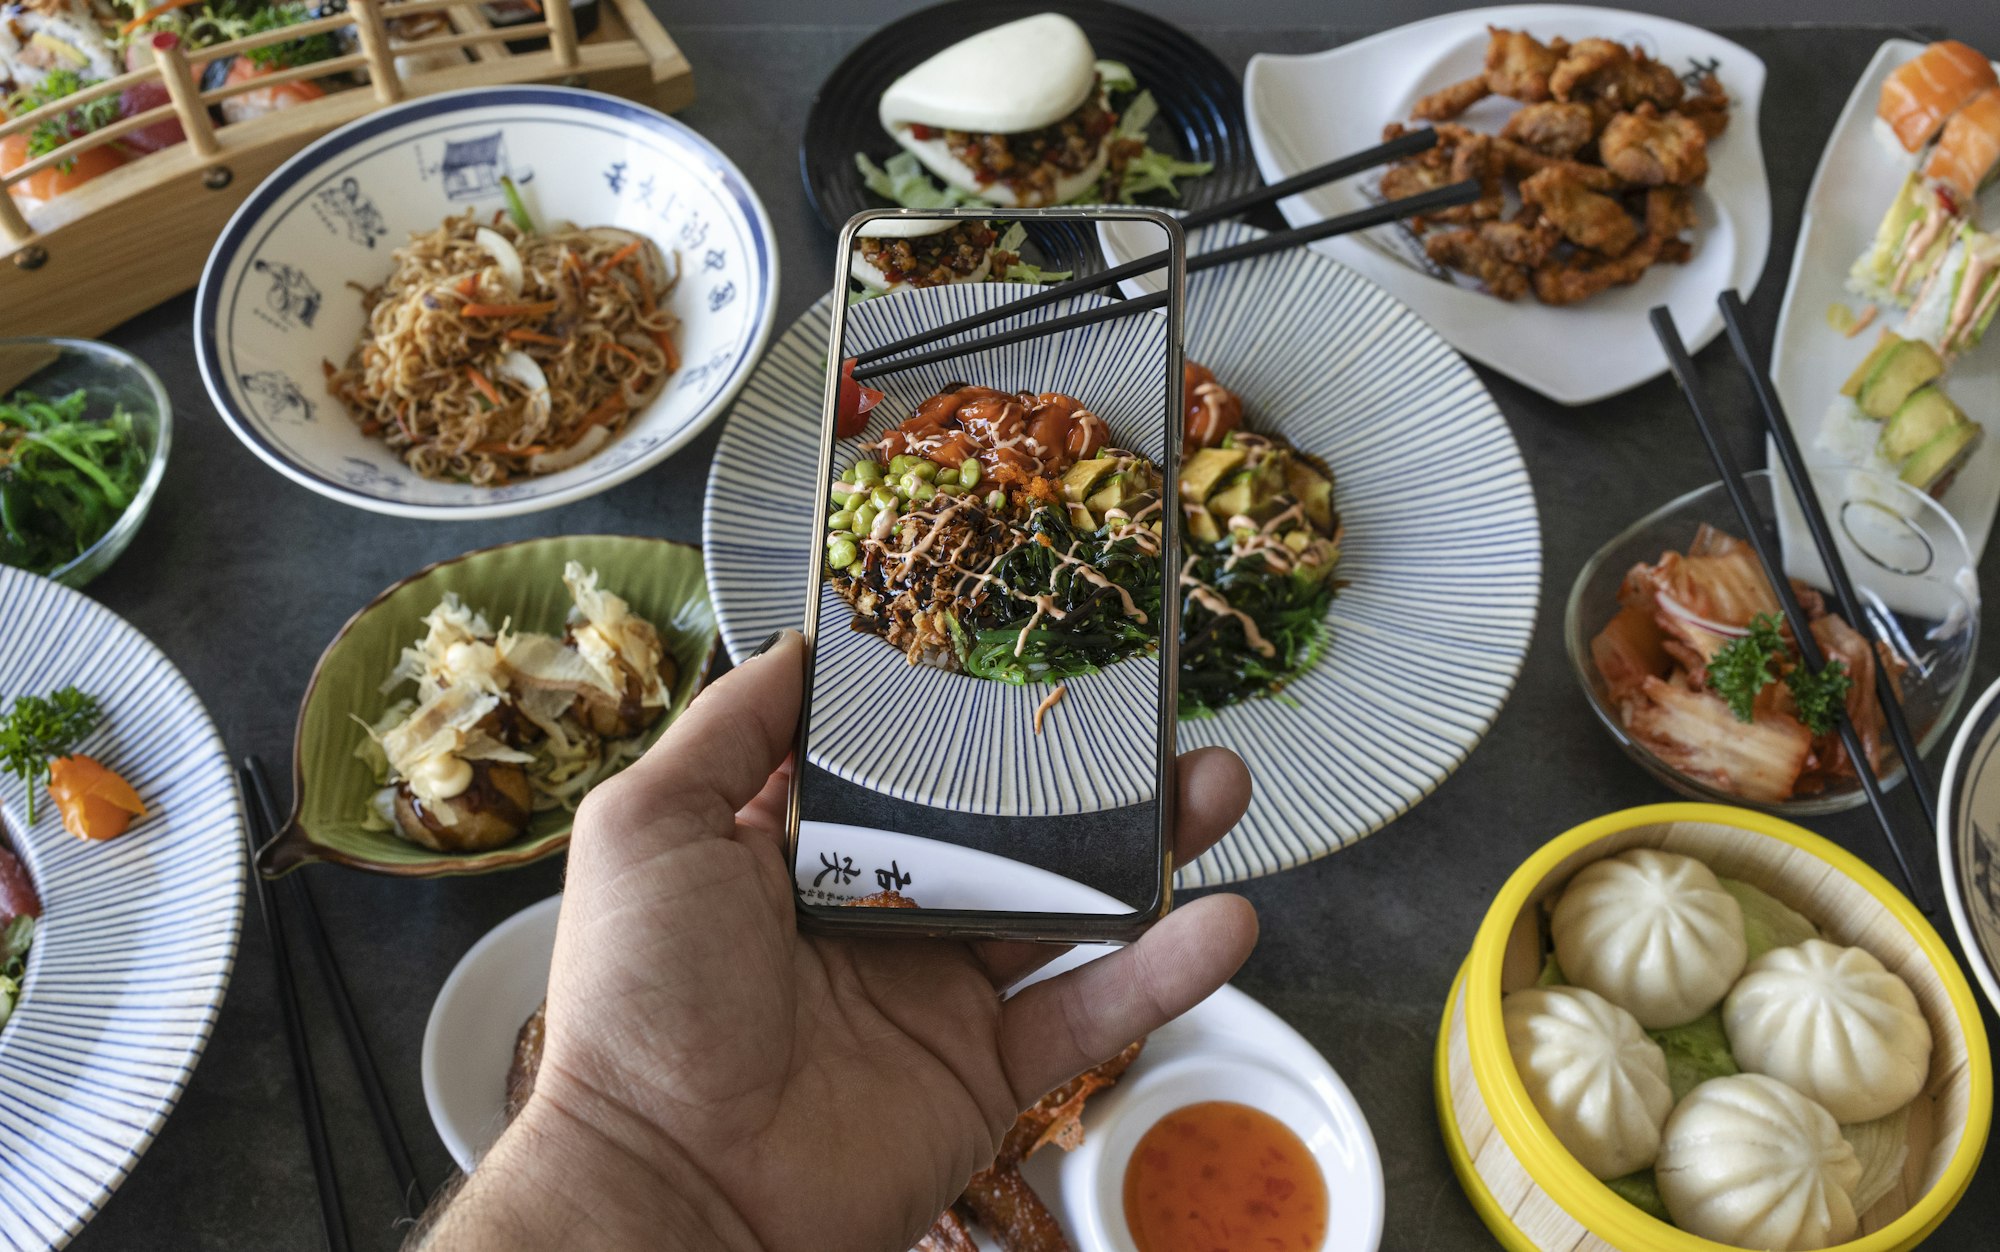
[[1910, 566], [111, 377]]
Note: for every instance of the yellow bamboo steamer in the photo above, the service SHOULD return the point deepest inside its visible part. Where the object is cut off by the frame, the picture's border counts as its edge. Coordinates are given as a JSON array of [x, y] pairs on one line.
[[1535, 1196]]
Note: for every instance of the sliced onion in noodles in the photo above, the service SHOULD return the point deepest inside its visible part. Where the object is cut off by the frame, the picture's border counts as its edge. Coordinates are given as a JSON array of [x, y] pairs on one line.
[[585, 446], [505, 258], [524, 370]]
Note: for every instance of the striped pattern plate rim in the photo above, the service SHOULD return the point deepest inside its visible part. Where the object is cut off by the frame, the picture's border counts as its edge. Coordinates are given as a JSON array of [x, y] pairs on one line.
[[1442, 554], [138, 935]]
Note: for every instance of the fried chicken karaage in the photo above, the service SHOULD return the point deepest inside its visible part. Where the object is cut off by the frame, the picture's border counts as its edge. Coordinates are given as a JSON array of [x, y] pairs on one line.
[[1589, 219], [1518, 66], [1553, 128], [1648, 148]]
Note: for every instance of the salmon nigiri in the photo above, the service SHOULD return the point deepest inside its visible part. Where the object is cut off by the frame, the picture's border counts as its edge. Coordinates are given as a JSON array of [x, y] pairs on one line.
[[1969, 150], [1922, 93]]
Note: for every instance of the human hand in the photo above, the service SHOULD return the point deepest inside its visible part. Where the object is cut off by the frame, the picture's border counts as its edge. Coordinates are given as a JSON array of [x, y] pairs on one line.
[[714, 1078]]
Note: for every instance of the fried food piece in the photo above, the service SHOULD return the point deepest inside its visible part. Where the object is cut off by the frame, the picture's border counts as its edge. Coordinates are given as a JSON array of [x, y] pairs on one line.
[[949, 1233], [1005, 1204], [1654, 149], [1587, 218], [527, 1060], [1583, 275], [1553, 128], [493, 810], [1448, 102], [1058, 1116], [1460, 154], [1518, 160], [882, 900], [1608, 73], [1519, 66], [1527, 240], [1463, 249], [1669, 212], [1708, 106]]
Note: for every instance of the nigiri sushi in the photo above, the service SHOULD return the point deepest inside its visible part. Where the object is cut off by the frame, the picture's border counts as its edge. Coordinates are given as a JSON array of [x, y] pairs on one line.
[[38, 189], [1968, 152], [259, 100], [1921, 93]]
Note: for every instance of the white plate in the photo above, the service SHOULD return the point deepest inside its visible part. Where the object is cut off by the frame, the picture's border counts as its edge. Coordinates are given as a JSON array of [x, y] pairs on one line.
[[274, 300], [1809, 359], [1307, 110], [137, 935], [1969, 840], [1228, 1047]]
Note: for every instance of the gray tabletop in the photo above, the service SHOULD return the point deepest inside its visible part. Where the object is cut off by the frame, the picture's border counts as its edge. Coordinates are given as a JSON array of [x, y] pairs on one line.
[[242, 578]]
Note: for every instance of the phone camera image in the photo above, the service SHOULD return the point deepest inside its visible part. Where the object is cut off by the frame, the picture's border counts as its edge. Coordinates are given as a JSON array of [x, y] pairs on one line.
[[994, 609]]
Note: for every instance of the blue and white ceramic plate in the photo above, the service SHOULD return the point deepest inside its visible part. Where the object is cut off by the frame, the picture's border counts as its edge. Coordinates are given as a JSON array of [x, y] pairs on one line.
[[137, 935], [275, 300], [1969, 840], [1442, 552]]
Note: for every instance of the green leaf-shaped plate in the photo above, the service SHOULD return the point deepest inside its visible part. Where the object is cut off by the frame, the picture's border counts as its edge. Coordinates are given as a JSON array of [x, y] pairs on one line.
[[662, 581]]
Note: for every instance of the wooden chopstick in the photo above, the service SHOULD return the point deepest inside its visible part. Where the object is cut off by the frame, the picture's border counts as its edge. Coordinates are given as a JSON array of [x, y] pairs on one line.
[[1780, 430], [874, 366], [1774, 570], [394, 1146], [333, 1217], [1381, 154]]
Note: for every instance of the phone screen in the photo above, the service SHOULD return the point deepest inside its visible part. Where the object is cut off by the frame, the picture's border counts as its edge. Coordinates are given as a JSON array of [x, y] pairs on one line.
[[993, 609]]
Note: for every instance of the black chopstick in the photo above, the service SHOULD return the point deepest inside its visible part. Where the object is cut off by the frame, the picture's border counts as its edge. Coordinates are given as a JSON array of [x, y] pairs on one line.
[[415, 1195], [873, 366], [1780, 430], [1774, 570], [1401, 146], [333, 1218]]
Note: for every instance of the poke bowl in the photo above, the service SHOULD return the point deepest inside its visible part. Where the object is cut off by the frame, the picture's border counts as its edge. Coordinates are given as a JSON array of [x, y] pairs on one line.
[[1533, 1192], [592, 283], [1686, 584]]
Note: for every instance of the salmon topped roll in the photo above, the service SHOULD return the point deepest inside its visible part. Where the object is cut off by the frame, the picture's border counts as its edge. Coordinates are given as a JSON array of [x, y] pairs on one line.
[[1968, 152], [1922, 93]]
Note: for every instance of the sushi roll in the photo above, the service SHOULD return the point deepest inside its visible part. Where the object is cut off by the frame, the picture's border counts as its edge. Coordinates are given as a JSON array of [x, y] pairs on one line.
[[1968, 151], [1957, 303], [923, 252], [1909, 245], [1921, 93], [37, 41], [1016, 115]]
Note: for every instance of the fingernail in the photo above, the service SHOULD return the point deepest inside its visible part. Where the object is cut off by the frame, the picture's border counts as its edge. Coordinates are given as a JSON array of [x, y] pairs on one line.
[[770, 641]]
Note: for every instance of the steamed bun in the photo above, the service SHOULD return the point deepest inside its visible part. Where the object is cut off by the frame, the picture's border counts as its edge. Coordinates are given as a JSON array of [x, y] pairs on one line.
[[1599, 1081], [1652, 932], [1746, 1160], [1834, 1024]]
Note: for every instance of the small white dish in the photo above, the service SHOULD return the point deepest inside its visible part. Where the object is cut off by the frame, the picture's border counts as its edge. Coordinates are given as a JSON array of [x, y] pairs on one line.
[[1969, 840], [274, 301], [1228, 1047], [1858, 175], [1307, 110]]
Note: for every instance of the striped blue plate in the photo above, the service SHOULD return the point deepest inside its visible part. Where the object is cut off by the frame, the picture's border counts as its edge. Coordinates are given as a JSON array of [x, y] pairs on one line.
[[1442, 553], [137, 935]]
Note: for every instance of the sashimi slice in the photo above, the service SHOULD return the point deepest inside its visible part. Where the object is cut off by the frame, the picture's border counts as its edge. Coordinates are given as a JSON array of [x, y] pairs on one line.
[[1969, 149]]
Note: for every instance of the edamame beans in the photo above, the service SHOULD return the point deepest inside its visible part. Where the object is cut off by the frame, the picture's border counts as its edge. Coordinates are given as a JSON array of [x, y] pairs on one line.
[[869, 472], [921, 491], [882, 498], [841, 552], [996, 500], [864, 519], [968, 473], [840, 521]]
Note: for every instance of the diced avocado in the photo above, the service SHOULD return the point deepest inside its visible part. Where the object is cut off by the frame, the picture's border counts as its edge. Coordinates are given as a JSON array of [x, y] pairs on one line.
[[1883, 343], [1109, 496], [1930, 468], [1316, 564], [1875, 268], [1201, 525], [1910, 364], [1081, 518], [1239, 497], [1314, 490], [1920, 419], [1206, 469], [1082, 477]]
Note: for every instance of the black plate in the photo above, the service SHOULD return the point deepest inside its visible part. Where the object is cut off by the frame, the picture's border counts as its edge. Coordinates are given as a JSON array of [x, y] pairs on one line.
[[1201, 110]]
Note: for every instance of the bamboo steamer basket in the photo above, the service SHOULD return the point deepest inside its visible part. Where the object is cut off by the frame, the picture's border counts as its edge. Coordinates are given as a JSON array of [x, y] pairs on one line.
[[139, 234], [1533, 1195]]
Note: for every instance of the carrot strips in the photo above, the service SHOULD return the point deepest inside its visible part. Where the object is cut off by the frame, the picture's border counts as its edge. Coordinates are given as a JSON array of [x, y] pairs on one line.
[[486, 388], [666, 341], [509, 310], [534, 336], [167, 7]]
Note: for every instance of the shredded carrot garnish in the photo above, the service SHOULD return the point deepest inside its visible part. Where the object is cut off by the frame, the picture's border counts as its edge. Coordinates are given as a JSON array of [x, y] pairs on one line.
[[1042, 709], [627, 353], [467, 285], [486, 388], [168, 7], [619, 257], [608, 411], [509, 310], [666, 342], [645, 291], [533, 336]]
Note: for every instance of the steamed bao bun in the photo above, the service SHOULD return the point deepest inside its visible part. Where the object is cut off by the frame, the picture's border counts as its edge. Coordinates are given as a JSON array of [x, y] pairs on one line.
[[1652, 932], [1833, 1024], [1598, 1080], [1747, 1161]]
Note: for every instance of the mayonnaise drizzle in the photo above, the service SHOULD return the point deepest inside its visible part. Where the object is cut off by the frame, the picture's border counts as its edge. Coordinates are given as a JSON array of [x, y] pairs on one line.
[[1210, 599]]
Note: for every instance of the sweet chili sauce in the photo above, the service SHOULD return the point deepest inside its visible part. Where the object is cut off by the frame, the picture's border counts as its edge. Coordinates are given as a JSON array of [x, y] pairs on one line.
[[1224, 1177]]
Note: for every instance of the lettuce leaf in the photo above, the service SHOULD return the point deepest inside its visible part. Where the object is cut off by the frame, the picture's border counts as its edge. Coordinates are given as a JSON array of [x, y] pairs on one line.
[[1116, 77], [1881, 1146], [1767, 923], [1150, 170], [1696, 1052], [1021, 272], [1642, 1192], [903, 180]]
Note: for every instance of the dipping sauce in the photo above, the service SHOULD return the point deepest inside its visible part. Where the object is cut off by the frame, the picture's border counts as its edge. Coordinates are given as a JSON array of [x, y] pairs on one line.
[[1224, 1177]]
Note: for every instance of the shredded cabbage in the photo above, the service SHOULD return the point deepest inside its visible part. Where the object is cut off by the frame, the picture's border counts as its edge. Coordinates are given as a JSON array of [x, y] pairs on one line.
[[903, 180], [1696, 1052], [1116, 76], [1151, 170], [1019, 272], [1767, 922], [1642, 1192]]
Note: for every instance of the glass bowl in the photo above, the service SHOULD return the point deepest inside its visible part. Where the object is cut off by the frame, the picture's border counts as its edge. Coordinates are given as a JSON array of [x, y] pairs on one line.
[[111, 377], [1911, 569]]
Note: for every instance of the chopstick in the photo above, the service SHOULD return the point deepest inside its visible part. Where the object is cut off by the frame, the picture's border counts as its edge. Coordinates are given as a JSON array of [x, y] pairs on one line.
[[1769, 557], [394, 1146], [1381, 154], [333, 1218], [1780, 430], [872, 364]]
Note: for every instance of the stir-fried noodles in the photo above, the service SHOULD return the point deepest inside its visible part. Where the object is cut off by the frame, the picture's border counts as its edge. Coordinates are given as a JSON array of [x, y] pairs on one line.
[[495, 352]]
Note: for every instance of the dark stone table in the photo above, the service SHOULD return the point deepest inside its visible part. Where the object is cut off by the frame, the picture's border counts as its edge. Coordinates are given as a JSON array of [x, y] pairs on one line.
[[242, 578]]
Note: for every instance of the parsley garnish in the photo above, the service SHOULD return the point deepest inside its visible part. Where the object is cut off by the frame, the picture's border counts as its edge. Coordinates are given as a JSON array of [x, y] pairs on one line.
[[39, 728], [1742, 668], [304, 51], [59, 130]]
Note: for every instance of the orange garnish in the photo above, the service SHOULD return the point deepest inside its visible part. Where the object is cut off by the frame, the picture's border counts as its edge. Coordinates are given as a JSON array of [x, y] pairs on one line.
[[508, 310], [666, 342], [95, 803], [629, 250], [533, 336]]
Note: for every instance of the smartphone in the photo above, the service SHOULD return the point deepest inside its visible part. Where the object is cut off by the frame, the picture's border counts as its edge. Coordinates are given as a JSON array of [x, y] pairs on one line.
[[993, 609]]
